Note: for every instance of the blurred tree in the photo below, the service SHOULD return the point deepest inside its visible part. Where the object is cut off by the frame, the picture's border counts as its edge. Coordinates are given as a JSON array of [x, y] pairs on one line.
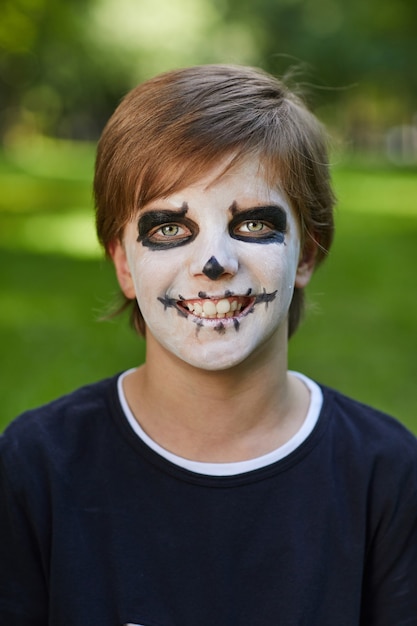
[[373, 41], [359, 53], [51, 80], [64, 64]]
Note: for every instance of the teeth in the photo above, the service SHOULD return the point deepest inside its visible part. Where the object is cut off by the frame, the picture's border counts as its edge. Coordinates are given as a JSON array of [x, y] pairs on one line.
[[223, 306], [212, 309], [209, 308]]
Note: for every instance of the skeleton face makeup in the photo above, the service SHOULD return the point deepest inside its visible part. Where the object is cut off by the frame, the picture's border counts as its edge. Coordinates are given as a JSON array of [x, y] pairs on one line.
[[213, 267]]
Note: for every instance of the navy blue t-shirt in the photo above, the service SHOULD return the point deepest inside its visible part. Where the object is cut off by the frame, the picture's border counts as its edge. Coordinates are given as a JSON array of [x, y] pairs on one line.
[[97, 529]]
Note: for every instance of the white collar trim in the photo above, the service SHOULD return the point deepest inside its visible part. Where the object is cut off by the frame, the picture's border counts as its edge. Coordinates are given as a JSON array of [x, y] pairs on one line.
[[240, 467]]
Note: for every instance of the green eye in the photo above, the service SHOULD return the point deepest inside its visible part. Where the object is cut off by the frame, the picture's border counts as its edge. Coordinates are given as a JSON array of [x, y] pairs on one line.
[[255, 227], [170, 230], [261, 224]]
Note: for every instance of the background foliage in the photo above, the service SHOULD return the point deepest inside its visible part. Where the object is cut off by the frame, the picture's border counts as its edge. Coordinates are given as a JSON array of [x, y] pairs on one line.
[[65, 64]]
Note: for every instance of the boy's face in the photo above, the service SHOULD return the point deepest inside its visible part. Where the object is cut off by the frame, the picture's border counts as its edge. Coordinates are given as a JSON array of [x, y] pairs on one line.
[[213, 267]]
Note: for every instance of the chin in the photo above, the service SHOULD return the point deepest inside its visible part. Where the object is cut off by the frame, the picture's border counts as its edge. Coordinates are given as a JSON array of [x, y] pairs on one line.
[[210, 351], [224, 362], [214, 356]]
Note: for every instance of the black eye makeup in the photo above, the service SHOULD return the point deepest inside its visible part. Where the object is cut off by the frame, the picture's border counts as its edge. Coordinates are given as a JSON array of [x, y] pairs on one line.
[[163, 229], [265, 224]]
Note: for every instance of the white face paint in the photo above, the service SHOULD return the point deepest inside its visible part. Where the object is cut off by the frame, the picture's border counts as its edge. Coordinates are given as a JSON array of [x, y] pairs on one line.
[[213, 267]]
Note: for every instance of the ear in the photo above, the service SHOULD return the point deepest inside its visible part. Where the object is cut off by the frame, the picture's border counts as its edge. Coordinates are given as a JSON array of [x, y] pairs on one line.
[[117, 252], [306, 263]]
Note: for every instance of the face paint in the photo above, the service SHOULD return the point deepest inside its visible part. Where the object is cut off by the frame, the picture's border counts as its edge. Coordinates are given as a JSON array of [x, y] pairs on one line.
[[208, 293], [261, 225], [213, 269], [217, 308], [160, 230]]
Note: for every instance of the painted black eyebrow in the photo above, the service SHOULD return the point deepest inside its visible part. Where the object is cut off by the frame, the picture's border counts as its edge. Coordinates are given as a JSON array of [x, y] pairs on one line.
[[152, 219], [274, 213], [267, 209]]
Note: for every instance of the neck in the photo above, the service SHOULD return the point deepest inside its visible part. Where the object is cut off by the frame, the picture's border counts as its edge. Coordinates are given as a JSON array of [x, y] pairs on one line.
[[217, 416]]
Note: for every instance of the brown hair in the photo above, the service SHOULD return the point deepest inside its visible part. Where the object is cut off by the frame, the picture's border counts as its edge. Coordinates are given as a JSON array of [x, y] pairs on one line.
[[171, 130]]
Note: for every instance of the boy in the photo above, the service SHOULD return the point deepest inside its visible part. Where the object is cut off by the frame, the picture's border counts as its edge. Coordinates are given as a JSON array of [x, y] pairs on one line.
[[210, 486]]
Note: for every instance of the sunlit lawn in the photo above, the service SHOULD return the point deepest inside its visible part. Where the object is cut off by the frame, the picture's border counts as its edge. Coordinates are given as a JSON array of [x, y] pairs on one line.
[[359, 336]]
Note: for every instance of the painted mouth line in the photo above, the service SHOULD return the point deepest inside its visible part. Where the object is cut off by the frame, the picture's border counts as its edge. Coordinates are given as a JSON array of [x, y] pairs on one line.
[[217, 308]]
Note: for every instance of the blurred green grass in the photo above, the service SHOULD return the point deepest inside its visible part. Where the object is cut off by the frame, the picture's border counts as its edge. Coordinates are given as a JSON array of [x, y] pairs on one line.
[[359, 334]]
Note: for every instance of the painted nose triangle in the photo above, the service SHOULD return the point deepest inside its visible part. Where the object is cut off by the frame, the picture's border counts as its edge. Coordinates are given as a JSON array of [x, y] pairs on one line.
[[213, 269]]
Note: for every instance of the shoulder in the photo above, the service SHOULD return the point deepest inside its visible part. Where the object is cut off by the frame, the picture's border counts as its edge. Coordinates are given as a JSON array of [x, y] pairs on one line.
[[367, 434], [56, 428], [363, 420], [72, 407]]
